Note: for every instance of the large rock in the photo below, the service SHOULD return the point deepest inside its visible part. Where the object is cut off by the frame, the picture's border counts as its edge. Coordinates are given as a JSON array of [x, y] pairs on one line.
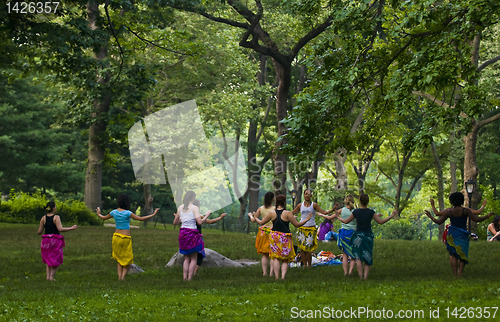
[[212, 259]]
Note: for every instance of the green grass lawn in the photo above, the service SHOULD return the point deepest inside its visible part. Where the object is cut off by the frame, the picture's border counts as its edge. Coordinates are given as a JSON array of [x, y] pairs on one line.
[[407, 275]]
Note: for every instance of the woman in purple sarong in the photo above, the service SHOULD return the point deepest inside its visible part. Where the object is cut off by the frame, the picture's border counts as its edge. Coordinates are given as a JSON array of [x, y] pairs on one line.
[[52, 241], [190, 240]]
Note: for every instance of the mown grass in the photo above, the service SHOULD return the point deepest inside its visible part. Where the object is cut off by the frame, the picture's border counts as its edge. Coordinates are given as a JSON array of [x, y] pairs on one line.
[[408, 275]]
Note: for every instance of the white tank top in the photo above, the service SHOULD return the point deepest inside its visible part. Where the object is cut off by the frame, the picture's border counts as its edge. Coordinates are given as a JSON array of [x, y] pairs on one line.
[[304, 212], [188, 220]]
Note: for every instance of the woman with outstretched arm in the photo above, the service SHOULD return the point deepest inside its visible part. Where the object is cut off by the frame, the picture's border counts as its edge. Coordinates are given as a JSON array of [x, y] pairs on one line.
[[362, 238], [457, 237], [281, 237]]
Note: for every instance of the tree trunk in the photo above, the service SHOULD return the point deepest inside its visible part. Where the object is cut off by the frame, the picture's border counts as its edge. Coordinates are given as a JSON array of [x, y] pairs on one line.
[[453, 166], [251, 196], [399, 188], [97, 130], [440, 195], [148, 203], [283, 73], [471, 171], [340, 159]]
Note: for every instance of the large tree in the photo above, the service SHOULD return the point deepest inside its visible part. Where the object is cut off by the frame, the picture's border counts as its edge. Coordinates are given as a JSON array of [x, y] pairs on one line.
[[283, 50]]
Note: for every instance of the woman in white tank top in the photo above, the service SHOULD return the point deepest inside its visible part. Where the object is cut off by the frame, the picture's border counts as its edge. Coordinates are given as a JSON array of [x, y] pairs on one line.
[[190, 240], [307, 235]]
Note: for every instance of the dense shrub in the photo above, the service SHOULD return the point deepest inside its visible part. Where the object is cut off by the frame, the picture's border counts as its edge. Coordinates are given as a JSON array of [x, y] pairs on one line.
[[29, 209], [400, 229]]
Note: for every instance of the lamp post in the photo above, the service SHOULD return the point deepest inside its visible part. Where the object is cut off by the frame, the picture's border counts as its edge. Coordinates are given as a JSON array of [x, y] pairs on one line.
[[293, 193], [469, 186]]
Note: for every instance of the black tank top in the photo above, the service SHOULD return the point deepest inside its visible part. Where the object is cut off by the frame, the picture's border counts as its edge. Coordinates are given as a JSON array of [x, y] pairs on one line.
[[279, 224], [50, 227], [460, 222]]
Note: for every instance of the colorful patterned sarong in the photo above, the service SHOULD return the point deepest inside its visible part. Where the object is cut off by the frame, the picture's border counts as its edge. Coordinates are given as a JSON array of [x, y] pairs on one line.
[[344, 241], [307, 238], [281, 245], [191, 241], [362, 247], [457, 243], [262, 240], [52, 249], [122, 249]]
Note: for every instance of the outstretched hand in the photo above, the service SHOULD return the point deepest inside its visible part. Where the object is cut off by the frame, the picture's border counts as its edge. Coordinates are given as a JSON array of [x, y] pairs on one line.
[[394, 213], [208, 212], [428, 213], [484, 202], [98, 211], [432, 202], [223, 215]]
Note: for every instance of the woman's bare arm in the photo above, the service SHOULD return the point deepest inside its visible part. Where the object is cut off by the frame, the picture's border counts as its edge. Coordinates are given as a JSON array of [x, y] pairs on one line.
[[270, 215], [40, 227], [437, 221], [475, 217], [383, 221], [57, 222], [98, 212], [291, 218], [135, 217]]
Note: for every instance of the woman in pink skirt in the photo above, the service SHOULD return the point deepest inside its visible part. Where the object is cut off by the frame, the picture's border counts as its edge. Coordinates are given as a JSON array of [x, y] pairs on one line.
[[52, 241]]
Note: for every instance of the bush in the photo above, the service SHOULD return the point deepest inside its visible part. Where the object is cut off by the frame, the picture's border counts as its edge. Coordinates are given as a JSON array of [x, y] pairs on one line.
[[29, 209], [400, 229]]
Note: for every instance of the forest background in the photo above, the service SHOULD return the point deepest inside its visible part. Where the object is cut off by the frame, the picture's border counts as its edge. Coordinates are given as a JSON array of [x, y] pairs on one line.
[[397, 99]]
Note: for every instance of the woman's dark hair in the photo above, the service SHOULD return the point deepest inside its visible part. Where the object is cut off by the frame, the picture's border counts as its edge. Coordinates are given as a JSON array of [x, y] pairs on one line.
[[456, 199], [326, 221], [268, 199], [190, 195], [496, 222], [124, 201], [364, 199], [50, 207], [280, 201]]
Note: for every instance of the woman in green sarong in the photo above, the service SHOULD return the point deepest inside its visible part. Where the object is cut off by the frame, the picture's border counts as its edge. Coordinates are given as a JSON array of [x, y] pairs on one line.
[[362, 238]]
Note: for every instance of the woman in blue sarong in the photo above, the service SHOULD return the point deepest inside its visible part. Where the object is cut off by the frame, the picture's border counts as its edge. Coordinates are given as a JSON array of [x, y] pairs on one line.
[[345, 234], [457, 237]]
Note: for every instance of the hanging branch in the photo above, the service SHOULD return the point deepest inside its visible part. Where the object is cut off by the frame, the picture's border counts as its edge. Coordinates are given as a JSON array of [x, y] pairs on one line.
[[153, 44], [114, 35]]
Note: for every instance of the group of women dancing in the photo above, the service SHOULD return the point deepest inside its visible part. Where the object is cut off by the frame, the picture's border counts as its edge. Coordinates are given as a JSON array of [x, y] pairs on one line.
[[274, 240], [355, 238]]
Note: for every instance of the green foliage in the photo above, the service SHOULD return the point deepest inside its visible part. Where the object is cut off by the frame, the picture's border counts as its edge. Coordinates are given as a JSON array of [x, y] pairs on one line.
[[30, 208], [405, 229], [37, 151]]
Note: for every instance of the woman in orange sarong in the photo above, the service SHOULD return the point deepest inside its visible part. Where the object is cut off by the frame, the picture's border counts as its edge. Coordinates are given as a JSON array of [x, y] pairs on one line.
[[262, 240]]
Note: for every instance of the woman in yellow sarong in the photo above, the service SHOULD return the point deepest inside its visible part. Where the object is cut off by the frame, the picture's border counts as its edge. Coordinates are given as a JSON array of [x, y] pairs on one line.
[[307, 235], [281, 243], [262, 240], [122, 242]]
